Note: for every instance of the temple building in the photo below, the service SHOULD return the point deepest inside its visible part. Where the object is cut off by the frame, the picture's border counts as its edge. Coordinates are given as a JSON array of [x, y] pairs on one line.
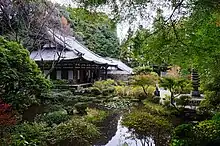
[[63, 57]]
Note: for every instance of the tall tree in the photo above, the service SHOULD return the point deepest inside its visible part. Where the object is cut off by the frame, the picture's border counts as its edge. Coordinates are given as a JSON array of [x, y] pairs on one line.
[[96, 30]]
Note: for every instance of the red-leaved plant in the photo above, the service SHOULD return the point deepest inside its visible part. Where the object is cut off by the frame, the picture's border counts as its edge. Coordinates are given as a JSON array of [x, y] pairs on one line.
[[7, 115]]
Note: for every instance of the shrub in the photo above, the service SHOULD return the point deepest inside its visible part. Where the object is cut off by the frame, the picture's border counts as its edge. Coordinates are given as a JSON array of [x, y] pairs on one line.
[[95, 116], [138, 93], [216, 117], [155, 99], [156, 109], [183, 131], [56, 117], [21, 80], [81, 108], [95, 91], [32, 133], [124, 91], [109, 90], [145, 124], [7, 115], [182, 100], [104, 84], [205, 133], [60, 82], [76, 132], [144, 81], [142, 70]]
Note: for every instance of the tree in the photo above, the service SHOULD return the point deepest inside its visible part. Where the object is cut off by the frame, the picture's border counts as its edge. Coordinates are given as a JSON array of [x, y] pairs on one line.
[[145, 81], [27, 21], [21, 80], [173, 85], [96, 30]]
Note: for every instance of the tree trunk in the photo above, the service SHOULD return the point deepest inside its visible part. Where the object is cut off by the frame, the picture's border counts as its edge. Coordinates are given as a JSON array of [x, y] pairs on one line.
[[172, 100], [144, 90]]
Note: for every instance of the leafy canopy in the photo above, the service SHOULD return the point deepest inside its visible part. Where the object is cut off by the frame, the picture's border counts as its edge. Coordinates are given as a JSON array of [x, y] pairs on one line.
[[96, 30], [21, 80]]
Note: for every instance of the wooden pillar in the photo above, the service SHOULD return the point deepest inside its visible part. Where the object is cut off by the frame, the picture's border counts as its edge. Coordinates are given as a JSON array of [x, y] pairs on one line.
[[74, 73], [61, 63], [106, 71]]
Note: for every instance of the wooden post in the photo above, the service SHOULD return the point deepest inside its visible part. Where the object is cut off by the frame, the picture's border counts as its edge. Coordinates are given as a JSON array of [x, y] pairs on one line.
[[106, 71]]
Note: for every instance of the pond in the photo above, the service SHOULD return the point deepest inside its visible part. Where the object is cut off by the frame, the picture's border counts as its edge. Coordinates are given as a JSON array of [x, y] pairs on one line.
[[121, 135]]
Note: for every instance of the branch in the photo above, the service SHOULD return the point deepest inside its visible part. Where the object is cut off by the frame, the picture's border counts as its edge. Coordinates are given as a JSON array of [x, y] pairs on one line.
[[144, 90], [176, 34], [175, 8]]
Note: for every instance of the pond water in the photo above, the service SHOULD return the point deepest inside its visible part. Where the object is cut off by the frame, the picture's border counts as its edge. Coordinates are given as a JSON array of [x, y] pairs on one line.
[[123, 137]]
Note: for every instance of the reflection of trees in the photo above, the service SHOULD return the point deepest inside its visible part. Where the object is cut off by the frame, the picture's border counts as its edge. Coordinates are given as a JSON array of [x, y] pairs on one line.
[[108, 129], [145, 127]]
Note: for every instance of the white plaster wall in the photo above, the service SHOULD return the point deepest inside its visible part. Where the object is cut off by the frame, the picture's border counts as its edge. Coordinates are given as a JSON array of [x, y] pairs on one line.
[[58, 74], [70, 75]]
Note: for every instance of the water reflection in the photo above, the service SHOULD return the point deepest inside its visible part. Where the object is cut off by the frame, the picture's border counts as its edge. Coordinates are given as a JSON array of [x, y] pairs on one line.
[[124, 137]]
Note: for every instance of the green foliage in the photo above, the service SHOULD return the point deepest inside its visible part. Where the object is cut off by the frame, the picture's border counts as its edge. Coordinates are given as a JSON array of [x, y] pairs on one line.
[[21, 80], [145, 81], [212, 96], [134, 91], [145, 124], [96, 30], [182, 100], [65, 97], [108, 91], [174, 85], [81, 108], [31, 133], [52, 118], [95, 116], [142, 70], [95, 91], [104, 84], [182, 135], [74, 132], [205, 133], [216, 117], [156, 109], [105, 87]]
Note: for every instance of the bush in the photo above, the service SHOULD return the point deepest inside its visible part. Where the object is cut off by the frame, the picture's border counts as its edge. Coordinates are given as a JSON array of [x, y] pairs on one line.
[[32, 133], [147, 125], [21, 80], [104, 84], [96, 116], [108, 91], [81, 108], [142, 70], [205, 133], [183, 134], [156, 109], [123, 91], [95, 91], [216, 117], [56, 117], [182, 100], [155, 99], [60, 82], [74, 132]]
